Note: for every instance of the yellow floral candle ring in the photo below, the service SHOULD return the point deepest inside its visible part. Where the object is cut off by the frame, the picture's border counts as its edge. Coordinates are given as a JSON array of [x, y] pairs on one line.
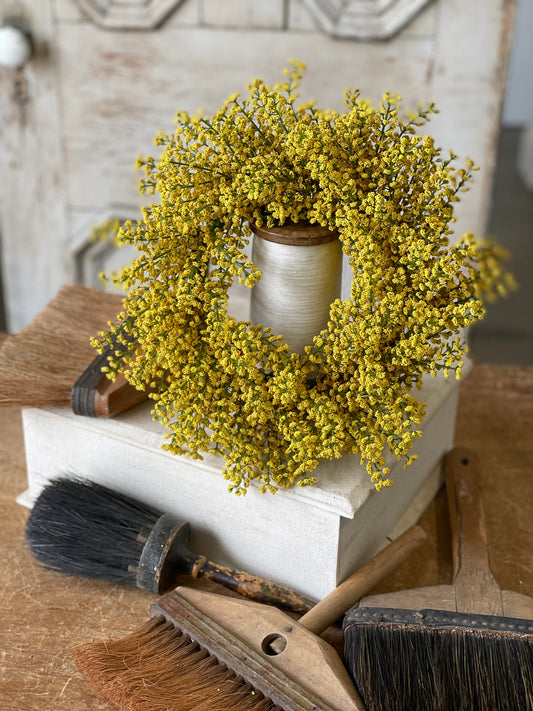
[[235, 388]]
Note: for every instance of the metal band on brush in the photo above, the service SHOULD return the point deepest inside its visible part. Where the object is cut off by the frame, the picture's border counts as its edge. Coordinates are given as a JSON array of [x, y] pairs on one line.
[[158, 555], [437, 620]]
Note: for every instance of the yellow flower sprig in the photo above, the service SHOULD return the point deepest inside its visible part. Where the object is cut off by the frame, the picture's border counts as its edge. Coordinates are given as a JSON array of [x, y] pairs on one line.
[[235, 389]]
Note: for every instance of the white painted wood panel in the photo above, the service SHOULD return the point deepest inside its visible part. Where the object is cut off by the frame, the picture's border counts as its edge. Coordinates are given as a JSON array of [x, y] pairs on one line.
[[468, 80], [96, 98], [266, 14], [364, 19], [68, 11], [33, 227], [108, 122], [301, 18], [129, 14], [518, 105]]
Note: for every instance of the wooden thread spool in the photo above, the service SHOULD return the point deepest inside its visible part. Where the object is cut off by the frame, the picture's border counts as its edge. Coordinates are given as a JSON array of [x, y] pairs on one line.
[[301, 267]]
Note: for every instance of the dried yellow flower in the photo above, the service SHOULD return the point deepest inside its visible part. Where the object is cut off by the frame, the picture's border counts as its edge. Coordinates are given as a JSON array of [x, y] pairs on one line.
[[235, 389]]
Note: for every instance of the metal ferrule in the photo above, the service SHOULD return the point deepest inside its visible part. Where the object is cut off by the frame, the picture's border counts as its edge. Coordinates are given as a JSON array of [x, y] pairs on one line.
[[163, 554]]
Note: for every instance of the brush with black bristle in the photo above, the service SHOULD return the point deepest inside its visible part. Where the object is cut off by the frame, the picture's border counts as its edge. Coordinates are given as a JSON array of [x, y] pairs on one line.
[[85, 529], [461, 647]]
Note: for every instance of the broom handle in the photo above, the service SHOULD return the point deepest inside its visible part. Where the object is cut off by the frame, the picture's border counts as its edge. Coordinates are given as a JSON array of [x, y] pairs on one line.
[[476, 590], [361, 582]]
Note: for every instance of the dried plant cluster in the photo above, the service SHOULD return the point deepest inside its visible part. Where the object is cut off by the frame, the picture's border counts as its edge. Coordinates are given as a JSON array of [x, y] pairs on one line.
[[235, 389]]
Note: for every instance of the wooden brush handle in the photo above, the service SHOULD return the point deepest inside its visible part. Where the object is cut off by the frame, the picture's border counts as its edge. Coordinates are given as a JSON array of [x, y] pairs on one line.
[[252, 586], [94, 395], [166, 555], [361, 582], [476, 590]]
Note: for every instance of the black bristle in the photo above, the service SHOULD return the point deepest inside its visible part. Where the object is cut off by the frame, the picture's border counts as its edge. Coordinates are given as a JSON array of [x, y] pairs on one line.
[[85, 529], [438, 661]]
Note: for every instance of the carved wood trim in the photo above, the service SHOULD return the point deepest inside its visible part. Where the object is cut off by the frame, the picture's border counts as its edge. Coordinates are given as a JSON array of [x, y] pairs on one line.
[[364, 19], [128, 14], [91, 257]]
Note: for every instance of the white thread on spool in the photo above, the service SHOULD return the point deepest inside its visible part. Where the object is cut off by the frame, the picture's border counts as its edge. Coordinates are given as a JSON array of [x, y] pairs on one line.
[[301, 267]]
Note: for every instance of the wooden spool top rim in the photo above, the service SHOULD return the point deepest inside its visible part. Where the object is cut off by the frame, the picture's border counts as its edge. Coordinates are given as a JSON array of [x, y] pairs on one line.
[[302, 234]]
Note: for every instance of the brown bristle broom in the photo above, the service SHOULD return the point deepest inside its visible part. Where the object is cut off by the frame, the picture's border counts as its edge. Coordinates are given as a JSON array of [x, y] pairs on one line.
[[202, 651], [51, 362], [461, 647]]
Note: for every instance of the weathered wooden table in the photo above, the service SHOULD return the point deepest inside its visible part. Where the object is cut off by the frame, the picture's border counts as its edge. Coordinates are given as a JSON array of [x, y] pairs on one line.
[[42, 614]]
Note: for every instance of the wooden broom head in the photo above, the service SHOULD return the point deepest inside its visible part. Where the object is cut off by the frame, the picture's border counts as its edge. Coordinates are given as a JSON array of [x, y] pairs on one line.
[[157, 668], [229, 654], [428, 660]]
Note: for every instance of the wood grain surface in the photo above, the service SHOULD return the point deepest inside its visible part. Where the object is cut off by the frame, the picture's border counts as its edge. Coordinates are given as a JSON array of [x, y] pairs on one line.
[[42, 614]]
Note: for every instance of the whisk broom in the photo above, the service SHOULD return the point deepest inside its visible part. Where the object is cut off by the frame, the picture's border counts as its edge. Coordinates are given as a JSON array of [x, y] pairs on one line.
[[203, 651], [51, 362]]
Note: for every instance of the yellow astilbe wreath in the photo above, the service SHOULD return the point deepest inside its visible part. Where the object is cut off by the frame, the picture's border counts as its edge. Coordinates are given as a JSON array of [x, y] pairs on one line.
[[235, 389]]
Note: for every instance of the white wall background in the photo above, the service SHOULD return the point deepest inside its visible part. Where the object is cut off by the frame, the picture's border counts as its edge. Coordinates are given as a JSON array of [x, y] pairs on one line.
[[518, 105]]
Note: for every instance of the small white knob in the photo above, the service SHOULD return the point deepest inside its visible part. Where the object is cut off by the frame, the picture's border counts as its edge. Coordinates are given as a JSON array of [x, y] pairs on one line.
[[15, 46]]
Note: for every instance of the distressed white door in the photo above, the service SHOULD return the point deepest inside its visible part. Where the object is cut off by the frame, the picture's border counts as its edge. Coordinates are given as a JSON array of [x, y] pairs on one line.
[[106, 75]]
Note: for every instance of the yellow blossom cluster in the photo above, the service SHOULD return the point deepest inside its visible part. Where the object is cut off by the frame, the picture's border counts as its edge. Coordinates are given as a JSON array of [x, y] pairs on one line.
[[234, 388]]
